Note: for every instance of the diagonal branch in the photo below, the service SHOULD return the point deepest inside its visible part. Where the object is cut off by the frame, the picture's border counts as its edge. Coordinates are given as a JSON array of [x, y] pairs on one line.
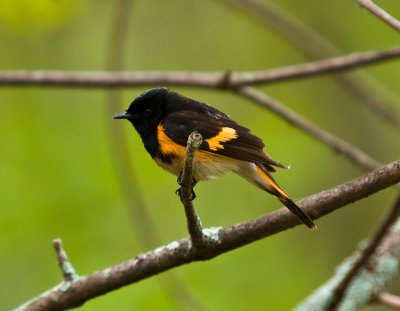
[[380, 13], [382, 268], [365, 255], [353, 153], [309, 41], [180, 252]]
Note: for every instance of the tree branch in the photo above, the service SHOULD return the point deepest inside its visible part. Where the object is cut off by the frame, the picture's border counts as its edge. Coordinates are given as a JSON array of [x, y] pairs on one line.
[[65, 265], [186, 191], [380, 13], [307, 40], [225, 239], [328, 65], [383, 266], [356, 155], [197, 79], [365, 255]]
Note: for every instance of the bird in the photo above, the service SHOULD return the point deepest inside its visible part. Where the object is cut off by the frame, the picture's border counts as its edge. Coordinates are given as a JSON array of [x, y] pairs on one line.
[[164, 120]]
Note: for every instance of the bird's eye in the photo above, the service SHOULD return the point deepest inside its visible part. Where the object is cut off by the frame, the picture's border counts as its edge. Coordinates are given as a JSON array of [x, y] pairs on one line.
[[147, 112]]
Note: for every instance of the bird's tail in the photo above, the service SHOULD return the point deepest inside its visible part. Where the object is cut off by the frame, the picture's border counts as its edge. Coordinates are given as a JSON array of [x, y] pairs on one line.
[[273, 188], [263, 179], [300, 214]]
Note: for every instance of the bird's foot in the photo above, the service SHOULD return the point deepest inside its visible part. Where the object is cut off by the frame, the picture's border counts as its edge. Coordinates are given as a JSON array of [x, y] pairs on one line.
[[179, 190]]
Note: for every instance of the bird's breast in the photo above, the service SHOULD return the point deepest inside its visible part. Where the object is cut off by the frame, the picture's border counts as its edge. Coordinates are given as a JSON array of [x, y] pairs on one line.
[[206, 165]]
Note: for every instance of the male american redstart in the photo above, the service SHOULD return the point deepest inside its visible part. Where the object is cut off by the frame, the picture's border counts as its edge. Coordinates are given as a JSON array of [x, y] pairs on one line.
[[165, 119]]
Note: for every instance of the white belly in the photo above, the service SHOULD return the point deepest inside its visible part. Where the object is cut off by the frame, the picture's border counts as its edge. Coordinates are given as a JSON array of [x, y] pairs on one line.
[[206, 165]]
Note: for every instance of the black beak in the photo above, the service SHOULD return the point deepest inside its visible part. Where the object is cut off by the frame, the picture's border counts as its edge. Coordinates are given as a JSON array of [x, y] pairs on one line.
[[123, 115]]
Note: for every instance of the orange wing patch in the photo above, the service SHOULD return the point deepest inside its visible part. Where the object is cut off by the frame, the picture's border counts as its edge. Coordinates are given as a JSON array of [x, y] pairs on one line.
[[226, 134]]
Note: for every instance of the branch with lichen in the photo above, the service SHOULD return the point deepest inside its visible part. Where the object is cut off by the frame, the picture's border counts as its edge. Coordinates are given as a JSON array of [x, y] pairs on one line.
[[364, 256], [382, 267], [65, 265], [221, 240]]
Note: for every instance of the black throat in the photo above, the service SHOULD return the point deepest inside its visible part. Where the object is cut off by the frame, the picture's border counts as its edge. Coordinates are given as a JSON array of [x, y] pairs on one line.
[[149, 138]]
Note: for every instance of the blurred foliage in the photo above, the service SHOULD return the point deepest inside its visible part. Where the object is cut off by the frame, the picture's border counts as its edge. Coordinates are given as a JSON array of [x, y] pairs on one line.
[[57, 177], [26, 17]]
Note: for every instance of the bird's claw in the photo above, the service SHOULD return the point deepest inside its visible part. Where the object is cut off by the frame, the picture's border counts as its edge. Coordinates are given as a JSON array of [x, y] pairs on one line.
[[179, 190], [179, 181], [192, 195]]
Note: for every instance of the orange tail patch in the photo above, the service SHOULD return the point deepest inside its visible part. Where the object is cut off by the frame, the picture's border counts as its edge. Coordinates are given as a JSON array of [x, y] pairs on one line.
[[280, 192], [288, 202]]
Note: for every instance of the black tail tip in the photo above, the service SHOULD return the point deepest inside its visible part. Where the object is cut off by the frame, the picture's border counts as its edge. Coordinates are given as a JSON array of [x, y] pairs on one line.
[[298, 212], [305, 219]]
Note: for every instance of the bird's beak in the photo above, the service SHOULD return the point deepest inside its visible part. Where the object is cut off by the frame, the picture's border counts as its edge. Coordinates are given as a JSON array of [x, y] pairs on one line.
[[123, 115]]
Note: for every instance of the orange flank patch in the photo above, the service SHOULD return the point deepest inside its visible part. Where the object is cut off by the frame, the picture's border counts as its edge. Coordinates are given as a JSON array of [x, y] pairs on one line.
[[271, 182], [226, 134], [168, 146], [206, 164]]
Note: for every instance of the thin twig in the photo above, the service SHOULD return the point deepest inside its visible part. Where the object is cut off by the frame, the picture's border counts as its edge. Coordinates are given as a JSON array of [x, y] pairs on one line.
[[186, 191], [388, 299], [66, 267], [328, 65], [356, 155], [368, 91], [197, 79], [365, 255], [181, 252], [380, 13]]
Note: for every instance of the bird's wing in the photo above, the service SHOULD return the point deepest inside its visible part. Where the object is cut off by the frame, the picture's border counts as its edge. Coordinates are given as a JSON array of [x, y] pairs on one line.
[[221, 135]]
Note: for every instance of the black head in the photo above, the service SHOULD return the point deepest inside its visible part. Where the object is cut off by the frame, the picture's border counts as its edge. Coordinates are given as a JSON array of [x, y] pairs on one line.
[[147, 110]]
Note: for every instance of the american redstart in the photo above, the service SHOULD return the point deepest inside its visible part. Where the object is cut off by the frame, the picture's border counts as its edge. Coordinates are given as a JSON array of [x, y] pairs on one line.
[[165, 119]]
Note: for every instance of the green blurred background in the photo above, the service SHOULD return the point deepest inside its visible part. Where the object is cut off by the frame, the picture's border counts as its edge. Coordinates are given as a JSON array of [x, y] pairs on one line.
[[59, 179]]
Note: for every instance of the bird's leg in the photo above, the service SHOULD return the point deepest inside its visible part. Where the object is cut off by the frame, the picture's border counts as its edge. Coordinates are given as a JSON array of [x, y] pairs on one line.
[[179, 190]]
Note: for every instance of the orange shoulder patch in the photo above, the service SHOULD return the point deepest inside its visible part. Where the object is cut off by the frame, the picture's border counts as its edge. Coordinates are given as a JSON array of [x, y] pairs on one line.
[[226, 134]]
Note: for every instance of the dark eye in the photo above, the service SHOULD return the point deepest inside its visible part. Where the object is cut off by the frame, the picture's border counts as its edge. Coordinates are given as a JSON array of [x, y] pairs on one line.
[[147, 112]]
